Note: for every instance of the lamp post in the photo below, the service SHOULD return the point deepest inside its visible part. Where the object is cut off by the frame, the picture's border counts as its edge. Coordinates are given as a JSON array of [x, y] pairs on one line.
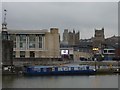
[[95, 59]]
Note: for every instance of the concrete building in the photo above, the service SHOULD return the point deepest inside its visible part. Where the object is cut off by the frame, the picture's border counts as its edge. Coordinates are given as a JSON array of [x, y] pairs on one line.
[[35, 44], [32, 45], [70, 38]]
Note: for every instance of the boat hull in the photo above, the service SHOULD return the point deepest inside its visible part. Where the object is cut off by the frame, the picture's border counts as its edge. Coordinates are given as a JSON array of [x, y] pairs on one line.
[[63, 70]]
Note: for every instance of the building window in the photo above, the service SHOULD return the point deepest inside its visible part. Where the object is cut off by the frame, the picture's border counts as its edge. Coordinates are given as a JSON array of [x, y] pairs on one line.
[[13, 37], [32, 38], [40, 41], [22, 53], [14, 44], [31, 45], [32, 54], [14, 54], [32, 41], [21, 44], [23, 38]]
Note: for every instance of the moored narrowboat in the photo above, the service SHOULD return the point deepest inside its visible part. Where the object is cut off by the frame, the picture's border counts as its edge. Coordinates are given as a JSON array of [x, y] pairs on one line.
[[59, 70]]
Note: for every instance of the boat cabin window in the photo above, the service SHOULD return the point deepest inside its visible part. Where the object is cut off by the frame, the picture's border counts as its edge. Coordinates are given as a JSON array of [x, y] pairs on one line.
[[41, 69], [76, 68], [53, 69], [65, 68], [37, 69], [69, 68], [79, 68], [60, 69], [49, 69], [82, 68], [44, 69], [72, 68], [87, 67]]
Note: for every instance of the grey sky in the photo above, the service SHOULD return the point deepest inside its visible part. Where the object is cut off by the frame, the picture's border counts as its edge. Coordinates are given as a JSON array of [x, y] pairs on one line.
[[81, 16]]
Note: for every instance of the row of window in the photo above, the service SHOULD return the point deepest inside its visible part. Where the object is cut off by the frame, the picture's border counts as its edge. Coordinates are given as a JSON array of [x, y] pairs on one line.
[[22, 54], [31, 43], [23, 37], [58, 69], [109, 51]]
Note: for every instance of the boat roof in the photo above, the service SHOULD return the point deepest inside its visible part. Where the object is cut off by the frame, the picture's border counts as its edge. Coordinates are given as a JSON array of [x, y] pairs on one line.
[[41, 66], [58, 66]]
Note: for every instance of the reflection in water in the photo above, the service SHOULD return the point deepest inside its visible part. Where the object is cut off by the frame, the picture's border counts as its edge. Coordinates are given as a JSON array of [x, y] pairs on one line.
[[0, 81], [97, 81], [7, 81]]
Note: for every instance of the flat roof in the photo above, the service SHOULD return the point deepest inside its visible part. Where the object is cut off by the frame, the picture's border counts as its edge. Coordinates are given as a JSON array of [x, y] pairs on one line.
[[43, 31]]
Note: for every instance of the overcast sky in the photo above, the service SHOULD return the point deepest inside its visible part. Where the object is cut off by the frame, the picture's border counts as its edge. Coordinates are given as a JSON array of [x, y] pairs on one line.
[[81, 16]]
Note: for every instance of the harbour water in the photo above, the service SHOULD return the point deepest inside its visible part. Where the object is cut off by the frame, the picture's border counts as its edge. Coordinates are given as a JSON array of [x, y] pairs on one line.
[[92, 81]]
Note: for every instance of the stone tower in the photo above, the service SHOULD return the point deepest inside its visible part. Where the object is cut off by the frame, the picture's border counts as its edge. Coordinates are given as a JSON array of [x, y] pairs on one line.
[[65, 36], [70, 38], [77, 37], [99, 38]]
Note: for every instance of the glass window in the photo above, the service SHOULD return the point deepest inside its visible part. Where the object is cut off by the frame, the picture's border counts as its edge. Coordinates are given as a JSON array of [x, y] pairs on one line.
[[40, 41], [13, 37], [31, 44], [32, 41], [32, 37], [21, 44], [14, 53], [22, 37], [53, 69], [22, 53], [14, 44], [32, 54]]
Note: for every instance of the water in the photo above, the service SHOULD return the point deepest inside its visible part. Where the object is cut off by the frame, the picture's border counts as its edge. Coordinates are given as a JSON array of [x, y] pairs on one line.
[[93, 81]]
